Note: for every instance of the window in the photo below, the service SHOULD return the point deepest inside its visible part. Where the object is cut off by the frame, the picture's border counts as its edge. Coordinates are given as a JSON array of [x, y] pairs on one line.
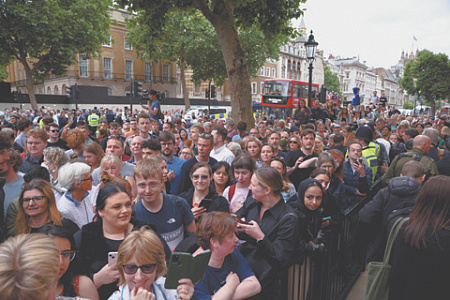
[[262, 71], [84, 66], [261, 88], [148, 71], [268, 72], [254, 88], [128, 91], [273, 73], [107, 43], [110, 92], [165, 73], [128, 45], [107, 67], [128, 69]]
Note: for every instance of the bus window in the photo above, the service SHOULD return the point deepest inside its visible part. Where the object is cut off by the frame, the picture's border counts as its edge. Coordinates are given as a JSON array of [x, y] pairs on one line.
[[276, 88]]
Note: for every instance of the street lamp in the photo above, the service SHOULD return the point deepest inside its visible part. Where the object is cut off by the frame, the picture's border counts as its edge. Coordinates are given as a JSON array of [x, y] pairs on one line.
[[311, 47]]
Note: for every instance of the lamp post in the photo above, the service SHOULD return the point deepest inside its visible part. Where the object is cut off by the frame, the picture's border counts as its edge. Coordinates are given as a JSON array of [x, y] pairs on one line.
[[311, 47]]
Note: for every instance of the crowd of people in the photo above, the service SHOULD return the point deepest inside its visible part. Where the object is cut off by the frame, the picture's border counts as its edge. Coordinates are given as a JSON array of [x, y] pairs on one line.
[[261, 197]]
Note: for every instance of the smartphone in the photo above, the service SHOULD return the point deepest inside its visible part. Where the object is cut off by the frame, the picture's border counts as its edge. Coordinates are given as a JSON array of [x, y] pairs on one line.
[[184, 265], [360, 161], [206, 203], [112, 258]]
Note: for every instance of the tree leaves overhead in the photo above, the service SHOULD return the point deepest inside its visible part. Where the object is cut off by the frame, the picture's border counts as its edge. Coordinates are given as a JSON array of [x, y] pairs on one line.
[[428, 76], [188, 34], [51, 32], [331, 80]]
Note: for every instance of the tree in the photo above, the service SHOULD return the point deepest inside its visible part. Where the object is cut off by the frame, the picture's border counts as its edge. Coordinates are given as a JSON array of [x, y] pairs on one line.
[[331, 81], [272, 17], [45, 36], [3, 73], [428, 76], [189, 38], [408, 105]]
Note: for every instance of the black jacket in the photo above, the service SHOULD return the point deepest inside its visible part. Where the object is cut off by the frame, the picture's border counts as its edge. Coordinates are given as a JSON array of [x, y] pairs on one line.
[[218, 203], [310, 223], [420, 274], [93, 252], [400, 193], [278, 250]]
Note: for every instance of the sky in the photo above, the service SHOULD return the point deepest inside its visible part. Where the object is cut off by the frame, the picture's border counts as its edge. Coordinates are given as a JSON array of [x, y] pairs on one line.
[[378, 30]]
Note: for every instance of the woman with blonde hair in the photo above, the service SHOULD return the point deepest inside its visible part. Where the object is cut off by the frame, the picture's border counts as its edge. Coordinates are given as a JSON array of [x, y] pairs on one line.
[[253, 147], [37, 207], [141, 264], [112, 165], [277, 250], [29, 265], [93, 155], [54, 158]]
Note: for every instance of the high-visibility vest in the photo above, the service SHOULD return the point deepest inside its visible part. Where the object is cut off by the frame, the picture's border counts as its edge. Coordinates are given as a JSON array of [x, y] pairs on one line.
[[370, 153], [93, 120]]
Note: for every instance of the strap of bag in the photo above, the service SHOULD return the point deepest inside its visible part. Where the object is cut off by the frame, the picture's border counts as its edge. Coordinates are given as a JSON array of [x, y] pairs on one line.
[[231, 192], [392, 236]]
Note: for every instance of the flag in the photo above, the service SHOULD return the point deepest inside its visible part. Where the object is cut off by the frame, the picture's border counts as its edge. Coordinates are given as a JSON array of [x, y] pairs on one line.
[[414, 38]]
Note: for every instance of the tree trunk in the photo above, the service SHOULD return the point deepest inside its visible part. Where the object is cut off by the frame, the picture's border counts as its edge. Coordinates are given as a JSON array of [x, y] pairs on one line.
[[187, 103], [433, 105], [223, 21], [30, 85]]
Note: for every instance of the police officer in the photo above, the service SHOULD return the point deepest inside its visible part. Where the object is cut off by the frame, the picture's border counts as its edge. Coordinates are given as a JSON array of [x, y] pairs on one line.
[[93, 120]]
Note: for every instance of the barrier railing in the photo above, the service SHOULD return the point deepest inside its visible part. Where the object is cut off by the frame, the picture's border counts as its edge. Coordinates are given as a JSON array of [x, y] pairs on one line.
[[331, 275]]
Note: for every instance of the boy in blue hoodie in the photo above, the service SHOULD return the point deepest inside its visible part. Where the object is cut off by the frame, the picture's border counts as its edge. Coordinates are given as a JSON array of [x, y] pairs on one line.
[[356, 102]]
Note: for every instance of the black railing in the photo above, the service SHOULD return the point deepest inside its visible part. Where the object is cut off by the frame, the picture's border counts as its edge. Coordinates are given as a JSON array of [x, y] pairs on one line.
[[331, 276]]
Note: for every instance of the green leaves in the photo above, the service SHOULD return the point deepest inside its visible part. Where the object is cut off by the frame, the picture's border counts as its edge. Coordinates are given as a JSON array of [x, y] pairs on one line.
[[428, 76], [331, 80]]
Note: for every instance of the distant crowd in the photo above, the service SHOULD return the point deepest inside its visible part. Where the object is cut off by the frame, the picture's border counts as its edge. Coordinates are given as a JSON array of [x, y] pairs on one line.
[[97, 200]]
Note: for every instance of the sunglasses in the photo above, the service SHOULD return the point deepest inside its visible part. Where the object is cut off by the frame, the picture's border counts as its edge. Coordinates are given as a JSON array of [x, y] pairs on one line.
[[206, 135], [132, 269], [196, 176], [56, 130], [293, 142]]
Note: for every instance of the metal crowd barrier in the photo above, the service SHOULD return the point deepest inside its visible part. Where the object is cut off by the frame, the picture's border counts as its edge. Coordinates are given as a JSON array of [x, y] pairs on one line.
[[331, 275]]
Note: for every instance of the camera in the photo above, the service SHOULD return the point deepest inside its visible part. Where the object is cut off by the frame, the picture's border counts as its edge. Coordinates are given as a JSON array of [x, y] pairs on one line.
[[160, 96]]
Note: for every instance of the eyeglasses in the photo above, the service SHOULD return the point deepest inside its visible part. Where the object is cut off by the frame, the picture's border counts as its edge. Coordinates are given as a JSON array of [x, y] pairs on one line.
[[87, 179], [166, 144], [205, 135], [186, 153], [35, 199], [196, 176], [56, 130], [132, 269], [326, 167], [68, 254]]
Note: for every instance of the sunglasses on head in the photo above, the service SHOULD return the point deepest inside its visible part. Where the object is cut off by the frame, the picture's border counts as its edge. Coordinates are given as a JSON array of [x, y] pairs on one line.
[[206, 135], [132, 269]]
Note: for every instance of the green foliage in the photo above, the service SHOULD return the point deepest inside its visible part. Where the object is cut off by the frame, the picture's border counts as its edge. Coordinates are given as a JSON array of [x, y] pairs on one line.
[[189, 35], [51, 32], [408, 105], [331, 80], [3, 73], [428, 76], [46, 35]]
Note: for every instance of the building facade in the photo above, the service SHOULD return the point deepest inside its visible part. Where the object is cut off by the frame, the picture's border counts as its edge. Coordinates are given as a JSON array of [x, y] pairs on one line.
[[115, 68]]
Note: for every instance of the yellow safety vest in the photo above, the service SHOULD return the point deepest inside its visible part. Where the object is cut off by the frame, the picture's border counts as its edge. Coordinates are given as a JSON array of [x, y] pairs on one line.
[[371, 153], [93, 120]]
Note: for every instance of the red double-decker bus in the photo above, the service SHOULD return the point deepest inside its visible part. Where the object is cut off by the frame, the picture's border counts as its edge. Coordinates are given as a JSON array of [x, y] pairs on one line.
[[280, 97]]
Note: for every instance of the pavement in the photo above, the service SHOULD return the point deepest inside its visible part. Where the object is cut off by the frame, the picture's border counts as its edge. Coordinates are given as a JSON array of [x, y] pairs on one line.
[[359, 288]]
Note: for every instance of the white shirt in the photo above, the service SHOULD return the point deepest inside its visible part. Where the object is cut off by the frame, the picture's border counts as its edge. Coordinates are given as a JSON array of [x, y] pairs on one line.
[[81, 213], [222, 154]]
